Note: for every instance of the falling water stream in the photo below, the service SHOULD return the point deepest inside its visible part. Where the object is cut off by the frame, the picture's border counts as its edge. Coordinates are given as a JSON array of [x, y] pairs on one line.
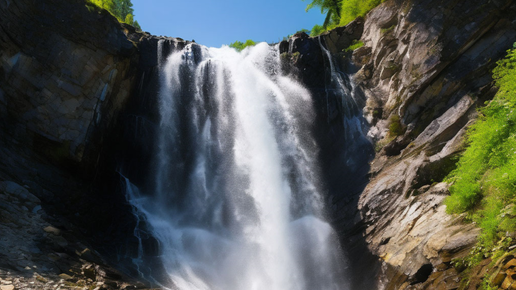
[[236, 203]]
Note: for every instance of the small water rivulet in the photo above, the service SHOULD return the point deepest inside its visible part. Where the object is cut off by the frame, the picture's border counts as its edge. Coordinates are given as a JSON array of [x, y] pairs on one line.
[[236, 201]]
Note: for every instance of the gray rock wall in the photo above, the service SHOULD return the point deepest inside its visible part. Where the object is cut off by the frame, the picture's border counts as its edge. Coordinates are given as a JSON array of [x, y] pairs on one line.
[[65, 71], [429, 63], [66, 74], [423, 70]]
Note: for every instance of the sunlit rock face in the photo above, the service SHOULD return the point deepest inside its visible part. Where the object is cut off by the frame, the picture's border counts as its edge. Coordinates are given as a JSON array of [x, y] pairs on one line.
[[430, 64]]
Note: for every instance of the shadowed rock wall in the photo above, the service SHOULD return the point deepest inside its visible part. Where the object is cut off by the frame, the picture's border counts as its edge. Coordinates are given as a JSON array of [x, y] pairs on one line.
[[66, 73]]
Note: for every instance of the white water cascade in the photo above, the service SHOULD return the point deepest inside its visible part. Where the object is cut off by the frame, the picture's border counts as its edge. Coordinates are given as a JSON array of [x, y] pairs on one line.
[[237, 198]]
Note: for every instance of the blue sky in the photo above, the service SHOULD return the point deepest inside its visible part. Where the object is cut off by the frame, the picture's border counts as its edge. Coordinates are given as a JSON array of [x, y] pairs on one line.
[[217, 22]]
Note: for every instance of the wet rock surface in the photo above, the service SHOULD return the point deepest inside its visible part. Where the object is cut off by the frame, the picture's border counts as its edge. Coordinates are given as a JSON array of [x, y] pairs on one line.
[[67, 73], [423, 70], [35, 254], [429, 67]]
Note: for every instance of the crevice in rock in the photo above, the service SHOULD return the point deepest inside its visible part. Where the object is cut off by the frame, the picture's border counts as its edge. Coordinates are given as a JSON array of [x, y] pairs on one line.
[[385, 241], [422, 274]]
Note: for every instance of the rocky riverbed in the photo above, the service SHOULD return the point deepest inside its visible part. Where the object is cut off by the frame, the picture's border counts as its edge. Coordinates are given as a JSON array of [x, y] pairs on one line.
[[41, 252]]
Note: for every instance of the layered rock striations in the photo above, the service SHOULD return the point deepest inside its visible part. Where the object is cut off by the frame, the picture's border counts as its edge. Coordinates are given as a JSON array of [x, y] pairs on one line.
[[424, 68], [60, 65], [429, 68], [67, 71], [77, 104]]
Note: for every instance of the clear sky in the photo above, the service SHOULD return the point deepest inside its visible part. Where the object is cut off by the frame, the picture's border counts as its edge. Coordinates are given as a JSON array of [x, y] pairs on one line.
[[217, 22]]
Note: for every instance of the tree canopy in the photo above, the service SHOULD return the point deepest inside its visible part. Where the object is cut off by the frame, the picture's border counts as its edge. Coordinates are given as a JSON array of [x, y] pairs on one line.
[[121, 9], [340, 12]]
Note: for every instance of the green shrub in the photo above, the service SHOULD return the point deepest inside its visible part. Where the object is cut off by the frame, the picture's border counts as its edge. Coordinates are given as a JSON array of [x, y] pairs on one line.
[[121, 9], [317, 30], [303, 30], [486, 285], [299, 31], [484, 182], [355, 45], [239, 46], [395, 126], [351, 9], [385, 30]]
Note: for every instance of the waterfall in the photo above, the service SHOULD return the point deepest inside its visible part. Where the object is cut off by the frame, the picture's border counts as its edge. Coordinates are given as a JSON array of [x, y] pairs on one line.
[[236, 202]]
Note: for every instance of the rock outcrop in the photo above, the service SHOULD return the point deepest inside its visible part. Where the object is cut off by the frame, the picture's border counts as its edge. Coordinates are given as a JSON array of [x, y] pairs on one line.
[[38, 255], [61, 63], [67, 72], [430, 66], [73, 119], [424, 68]]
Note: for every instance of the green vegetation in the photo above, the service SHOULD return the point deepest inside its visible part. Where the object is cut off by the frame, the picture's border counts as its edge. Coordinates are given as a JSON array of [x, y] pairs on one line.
[[299, 31], [317, 30], [484, 182], [354, 8], [471, 267], [121, 9], [355, 45], [239, 46], [340, 12], [385, 30], [303, 30], [395, 127]]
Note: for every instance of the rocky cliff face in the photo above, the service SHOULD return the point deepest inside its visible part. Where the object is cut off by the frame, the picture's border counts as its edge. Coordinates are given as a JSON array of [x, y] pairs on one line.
[[67, 71], [74, 114], [423, 70], [57, 76], [429, 67]]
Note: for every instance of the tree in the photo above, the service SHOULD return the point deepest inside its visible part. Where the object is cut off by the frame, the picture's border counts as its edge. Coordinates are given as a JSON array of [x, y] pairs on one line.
[[137, 25], [109, 5], [340, 12], [129, 19], [121, 9], [332, 9]]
